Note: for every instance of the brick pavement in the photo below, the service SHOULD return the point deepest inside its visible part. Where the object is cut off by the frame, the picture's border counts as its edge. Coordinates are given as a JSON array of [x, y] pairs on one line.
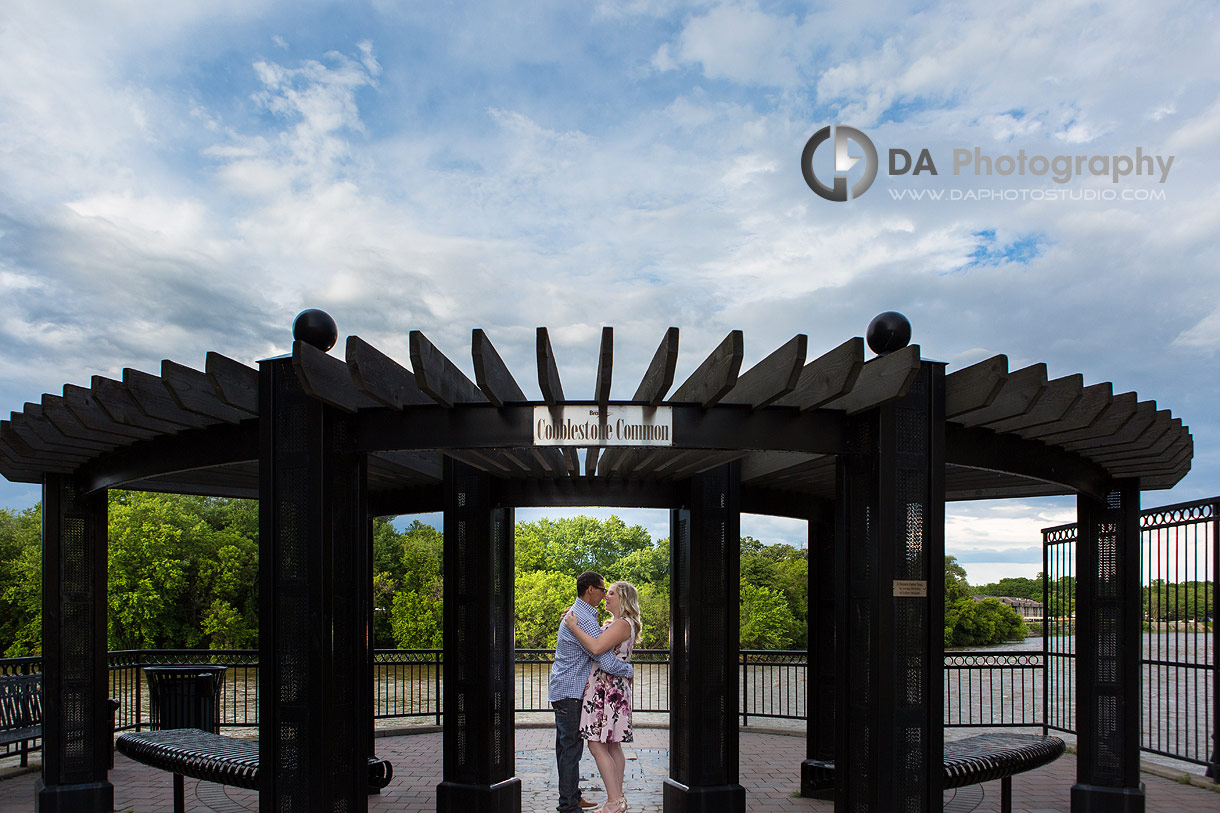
[[770, 772]]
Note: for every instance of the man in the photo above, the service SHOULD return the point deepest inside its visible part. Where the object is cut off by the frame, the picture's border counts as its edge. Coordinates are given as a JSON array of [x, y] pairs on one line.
[[569, 673]]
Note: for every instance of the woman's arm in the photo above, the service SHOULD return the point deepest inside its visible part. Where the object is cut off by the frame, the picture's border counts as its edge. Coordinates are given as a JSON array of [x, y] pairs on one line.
[[610, 637]]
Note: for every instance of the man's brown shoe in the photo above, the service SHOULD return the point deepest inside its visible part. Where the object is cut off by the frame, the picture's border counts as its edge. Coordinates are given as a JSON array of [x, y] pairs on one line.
[[586, 803]]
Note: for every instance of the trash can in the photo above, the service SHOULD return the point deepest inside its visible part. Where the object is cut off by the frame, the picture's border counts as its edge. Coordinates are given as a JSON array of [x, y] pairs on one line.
[[185, 696]]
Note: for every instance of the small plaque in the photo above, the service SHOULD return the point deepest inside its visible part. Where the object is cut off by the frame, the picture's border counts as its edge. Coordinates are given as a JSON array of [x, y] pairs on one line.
[[908, 588]]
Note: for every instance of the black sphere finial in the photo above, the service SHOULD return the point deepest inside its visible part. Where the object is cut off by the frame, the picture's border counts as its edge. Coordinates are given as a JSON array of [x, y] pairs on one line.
[[888, 332], [315, 327]]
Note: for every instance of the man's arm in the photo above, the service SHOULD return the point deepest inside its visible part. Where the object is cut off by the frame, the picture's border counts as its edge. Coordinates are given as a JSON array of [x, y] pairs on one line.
[[607, 661]]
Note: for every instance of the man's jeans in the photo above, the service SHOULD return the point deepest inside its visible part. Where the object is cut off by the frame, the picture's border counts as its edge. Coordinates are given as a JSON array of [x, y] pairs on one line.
[[568, 748]]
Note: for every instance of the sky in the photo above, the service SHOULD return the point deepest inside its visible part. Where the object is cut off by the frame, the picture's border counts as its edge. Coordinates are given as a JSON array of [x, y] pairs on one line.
[[178, 178]]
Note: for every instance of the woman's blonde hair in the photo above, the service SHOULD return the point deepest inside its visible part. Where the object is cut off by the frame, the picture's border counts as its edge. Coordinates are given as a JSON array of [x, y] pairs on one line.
[[629, 606]]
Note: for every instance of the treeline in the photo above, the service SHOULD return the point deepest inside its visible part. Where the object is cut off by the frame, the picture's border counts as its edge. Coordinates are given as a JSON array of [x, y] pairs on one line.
[[969, 622], [183, 572], [551, 552]]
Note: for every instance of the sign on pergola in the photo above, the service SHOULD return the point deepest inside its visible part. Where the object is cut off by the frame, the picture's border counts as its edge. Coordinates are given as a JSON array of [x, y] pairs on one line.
[[868, 451]]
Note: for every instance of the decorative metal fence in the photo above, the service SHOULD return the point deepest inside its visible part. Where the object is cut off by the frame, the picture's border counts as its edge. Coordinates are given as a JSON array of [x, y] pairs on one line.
[[1180, 551], [993, 689], [981, 688]]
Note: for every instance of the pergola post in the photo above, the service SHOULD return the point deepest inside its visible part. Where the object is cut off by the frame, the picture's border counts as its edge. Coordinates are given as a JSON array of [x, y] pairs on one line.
[[817, 771], [705, 539], [479, 739], [1108, 617], [77, 727], [889, 578], [313, 602]]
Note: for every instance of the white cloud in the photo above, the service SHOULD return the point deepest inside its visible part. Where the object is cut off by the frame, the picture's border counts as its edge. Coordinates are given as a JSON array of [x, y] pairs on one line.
[[738, 42], [179, 180]]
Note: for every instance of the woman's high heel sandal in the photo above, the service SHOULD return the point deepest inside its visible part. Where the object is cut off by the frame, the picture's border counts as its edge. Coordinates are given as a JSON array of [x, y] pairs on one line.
[[615, 806]]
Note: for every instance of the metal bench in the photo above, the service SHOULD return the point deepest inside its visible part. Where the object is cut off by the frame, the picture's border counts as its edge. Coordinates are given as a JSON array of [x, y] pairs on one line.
[[212, 758], [986, 757], [20, 712], [983, 758]]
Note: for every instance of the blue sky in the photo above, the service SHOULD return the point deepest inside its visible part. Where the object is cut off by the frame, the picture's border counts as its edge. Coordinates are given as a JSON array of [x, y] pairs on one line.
[[175, 180]]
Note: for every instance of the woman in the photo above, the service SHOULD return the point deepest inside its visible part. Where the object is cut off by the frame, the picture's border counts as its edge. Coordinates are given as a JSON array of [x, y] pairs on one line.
[[605, 710]]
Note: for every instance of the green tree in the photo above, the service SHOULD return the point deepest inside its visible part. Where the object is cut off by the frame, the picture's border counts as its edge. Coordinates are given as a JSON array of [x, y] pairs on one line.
[[180, 566], [642, 566], [418, 620], [784, 569], [541, 600], [21, 581], [405, 562], [576, 544], [979, 623], [765, 619], [956, 586], [1013, 587], [654, 611]]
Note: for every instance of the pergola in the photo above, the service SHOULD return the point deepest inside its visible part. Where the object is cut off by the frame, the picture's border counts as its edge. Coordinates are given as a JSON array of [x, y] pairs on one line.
[[867, 451]]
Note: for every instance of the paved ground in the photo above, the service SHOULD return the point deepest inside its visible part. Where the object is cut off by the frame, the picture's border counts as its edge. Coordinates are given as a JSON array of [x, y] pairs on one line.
[[770, 772]]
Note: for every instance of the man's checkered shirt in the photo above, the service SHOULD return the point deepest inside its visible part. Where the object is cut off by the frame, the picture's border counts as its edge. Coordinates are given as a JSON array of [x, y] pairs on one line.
[[570, 671]]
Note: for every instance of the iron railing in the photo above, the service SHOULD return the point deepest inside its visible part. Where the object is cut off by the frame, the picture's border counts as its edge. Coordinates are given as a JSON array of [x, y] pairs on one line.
[[993, 689], [981, 688], [1180, 683]]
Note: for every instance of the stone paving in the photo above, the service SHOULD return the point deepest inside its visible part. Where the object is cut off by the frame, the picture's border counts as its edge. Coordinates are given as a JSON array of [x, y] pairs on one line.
[[770, 772]]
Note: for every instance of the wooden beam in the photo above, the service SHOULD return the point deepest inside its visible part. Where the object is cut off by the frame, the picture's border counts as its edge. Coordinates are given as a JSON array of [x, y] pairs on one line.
[[21, 471], [552, 389], [81, 402], [155, 400], [35, 418], [881, 380], [57, 412], [327, 379], [193, 391], [548, 370], [1088, 408], [25, 454], [382, 378], [1108, 421], [605, 365], [1140, 420], [773, 377], [827, 377], [1017, 396], [1055, 403], [440, 378], [1157, 443], [659, 376], [424, 465], [763, 464], [234, 382], [120, 405], [19, 425], [491, 373], [976, 386], [716, 376], [657, 380]]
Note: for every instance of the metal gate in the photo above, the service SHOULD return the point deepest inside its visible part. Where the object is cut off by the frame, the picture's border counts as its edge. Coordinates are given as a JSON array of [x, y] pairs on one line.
[[1180, 552]]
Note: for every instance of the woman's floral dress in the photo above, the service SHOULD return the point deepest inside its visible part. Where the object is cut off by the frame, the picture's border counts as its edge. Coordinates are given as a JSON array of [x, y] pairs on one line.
[[605, 710]]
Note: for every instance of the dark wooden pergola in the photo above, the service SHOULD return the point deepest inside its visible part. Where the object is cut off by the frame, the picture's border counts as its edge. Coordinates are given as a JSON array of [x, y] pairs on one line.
[[867, 451]]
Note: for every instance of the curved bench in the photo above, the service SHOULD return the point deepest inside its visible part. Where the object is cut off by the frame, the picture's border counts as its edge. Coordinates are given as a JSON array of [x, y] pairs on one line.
[[212, 758], [986, 757]]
